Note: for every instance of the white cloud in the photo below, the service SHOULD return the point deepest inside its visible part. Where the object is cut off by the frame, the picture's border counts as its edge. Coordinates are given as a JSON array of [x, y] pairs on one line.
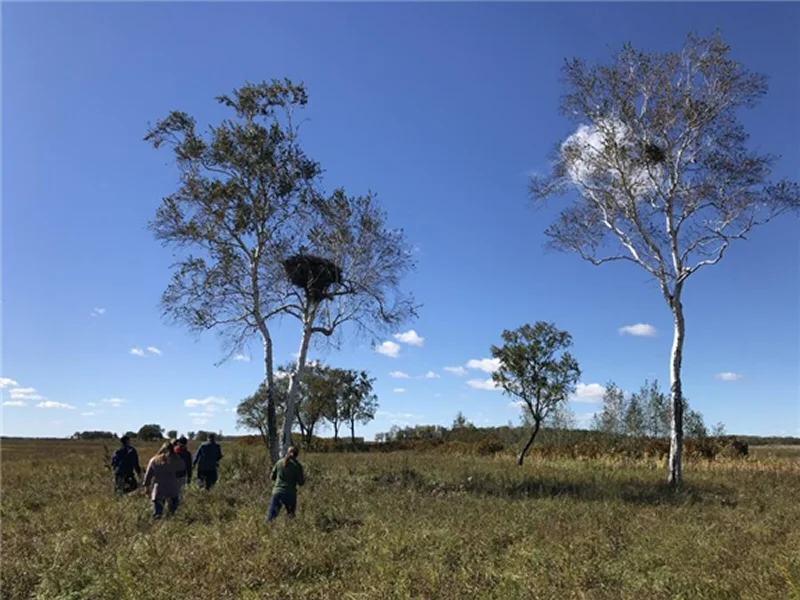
[[399, 375], [726, 376], [91, 404], [399, 390], [488, 365], [389, 349], [431, 375], [392, 415], [201, 415], [154, 350], [98, 312], [410, 337], [460, 371], [241, 358], [14, 403], [25, 394], [137, 351], [586, 156], [51, 404], [88, 414], [5, 382], [210, 401], [589, 392], [281, 374], [483, 384], [116, 402], [639, 330]]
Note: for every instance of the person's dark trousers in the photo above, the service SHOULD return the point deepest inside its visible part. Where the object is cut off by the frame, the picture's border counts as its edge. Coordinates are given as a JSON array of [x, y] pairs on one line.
[[289, 501], [207, 477], [158, 506], [125, 483]]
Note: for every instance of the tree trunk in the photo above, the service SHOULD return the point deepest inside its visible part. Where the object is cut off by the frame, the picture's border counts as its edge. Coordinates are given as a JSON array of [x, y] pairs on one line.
[[522, 454], [269, 374], [335, 432], [296, 380], [353, 431], [676, 392]]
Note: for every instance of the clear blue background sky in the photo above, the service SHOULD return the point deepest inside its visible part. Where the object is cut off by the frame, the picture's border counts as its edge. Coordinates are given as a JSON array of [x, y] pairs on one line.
[[443, 110]]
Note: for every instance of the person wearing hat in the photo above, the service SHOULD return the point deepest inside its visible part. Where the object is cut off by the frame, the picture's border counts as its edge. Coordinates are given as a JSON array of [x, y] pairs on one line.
[[207, 461], [184, 475], [125, 463], [287, 475]]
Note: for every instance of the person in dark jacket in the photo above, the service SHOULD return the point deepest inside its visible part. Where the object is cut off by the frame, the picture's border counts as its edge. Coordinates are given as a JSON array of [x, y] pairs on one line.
[[184, 475], [287, 475], [207, 462], [125, 463]]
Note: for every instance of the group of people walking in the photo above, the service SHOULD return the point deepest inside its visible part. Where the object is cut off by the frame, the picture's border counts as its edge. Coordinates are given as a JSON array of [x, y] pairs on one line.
[[167, 472], [172, 466]]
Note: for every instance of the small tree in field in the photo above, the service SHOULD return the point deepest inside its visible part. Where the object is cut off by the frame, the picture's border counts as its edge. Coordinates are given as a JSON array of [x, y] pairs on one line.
[[536, 368], [359, 403], [663, 172], [172, 434], [150, 432], [611, 419]]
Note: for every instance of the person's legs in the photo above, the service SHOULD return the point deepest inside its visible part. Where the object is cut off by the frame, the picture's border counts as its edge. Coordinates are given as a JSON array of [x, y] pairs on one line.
[[290, 502], [201, 478], [212, 478], [274, 507], [173, 505], [158, 508]]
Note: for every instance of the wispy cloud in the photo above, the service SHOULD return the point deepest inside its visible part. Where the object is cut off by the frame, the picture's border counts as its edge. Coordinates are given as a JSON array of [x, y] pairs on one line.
[[410, 337], [137, 351], [483, 384], [91, 404], [58, 405], [14, 403], [28, 393], [392, 415], [431, 375], [202, 415], [399, 390], [241, 358], [487, 365], [399, 375], [460, 371], [98, 312], [726, 376], [210, 401], [154, 350], [389, 349], [115, 402], [5, 382], [88, 414], [639, 330], [589, 393]]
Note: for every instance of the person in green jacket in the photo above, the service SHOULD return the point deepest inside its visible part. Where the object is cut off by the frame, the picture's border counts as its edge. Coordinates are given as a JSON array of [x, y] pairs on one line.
[[287, 475]]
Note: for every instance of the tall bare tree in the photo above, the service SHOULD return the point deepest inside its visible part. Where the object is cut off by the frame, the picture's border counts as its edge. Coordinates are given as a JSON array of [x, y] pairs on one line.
[[536, 367], [347, 272], [242, 200], [663, 172]]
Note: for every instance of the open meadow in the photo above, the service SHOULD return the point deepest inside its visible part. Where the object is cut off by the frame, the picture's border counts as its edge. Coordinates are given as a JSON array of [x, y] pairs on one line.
[[405, 525]]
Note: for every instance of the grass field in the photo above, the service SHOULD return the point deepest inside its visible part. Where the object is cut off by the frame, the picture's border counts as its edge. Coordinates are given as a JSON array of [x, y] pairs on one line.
[[405, 525]]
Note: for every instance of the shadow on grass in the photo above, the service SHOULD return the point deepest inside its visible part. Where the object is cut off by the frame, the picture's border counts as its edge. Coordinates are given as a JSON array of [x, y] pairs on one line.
[[633, 491]]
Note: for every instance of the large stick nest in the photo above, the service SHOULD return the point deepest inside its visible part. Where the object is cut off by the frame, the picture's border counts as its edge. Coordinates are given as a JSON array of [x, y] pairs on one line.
[[313, 274]]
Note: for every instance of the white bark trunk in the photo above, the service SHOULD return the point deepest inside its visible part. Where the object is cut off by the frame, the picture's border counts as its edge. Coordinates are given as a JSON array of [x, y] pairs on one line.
[[676, 394], [294, 384], [269, 376]]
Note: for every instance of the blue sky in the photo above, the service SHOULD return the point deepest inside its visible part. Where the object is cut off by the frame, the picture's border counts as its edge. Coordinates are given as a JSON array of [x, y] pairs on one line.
[[443, 110]]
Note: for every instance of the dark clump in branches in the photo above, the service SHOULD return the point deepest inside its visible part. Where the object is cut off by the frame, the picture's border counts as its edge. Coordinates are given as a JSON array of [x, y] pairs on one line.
[[313, 274], [654, 154]]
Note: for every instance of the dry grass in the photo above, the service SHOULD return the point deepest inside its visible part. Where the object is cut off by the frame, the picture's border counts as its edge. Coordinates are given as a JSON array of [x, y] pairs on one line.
[[405, 525]]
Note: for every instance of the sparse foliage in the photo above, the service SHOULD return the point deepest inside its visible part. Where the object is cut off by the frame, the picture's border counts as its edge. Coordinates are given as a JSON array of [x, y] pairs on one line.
[[461, 422], [536, 368], [665, 177], [611, 419]]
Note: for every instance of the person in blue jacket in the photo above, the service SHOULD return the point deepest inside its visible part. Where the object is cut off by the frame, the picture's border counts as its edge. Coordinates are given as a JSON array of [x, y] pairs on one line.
[[125, 463], [207, 462]]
